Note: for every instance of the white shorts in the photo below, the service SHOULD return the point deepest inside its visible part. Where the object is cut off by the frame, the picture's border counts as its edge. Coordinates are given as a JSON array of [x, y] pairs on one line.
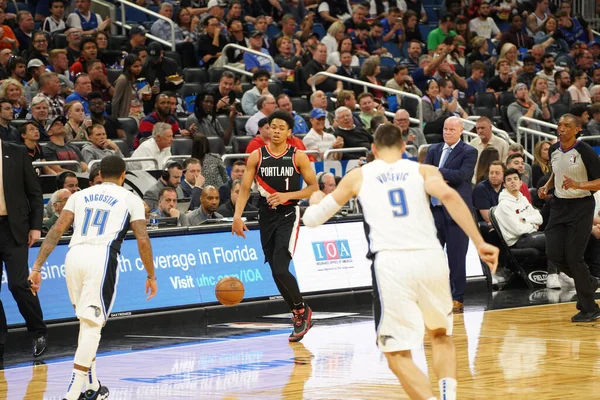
[[92, 274], [414, 292]]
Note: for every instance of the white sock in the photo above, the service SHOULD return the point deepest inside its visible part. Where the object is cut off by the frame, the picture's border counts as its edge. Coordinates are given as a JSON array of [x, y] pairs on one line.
[[77, 380], [447, 388], [91, 383]]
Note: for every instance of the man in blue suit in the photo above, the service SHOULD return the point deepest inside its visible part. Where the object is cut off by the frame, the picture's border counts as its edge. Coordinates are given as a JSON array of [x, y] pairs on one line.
[[456, 162]]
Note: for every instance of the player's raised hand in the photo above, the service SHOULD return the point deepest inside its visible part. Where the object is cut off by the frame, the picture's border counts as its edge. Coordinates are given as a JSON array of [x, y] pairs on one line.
[[151, 287], [489, 254], [238, 227]]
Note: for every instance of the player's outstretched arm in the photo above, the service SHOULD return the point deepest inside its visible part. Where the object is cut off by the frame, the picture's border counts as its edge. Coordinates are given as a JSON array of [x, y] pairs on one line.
[[65, 220], [238, 227], [145, 249], [460, 213], [348, 188]]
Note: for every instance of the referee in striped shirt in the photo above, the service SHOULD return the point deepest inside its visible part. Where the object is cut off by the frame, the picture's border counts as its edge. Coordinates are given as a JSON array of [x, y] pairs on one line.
[[574, 165]]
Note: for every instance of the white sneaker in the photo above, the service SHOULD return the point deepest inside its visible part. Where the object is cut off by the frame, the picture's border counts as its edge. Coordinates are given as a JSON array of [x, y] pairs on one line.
[[566, 281], [552, 281]]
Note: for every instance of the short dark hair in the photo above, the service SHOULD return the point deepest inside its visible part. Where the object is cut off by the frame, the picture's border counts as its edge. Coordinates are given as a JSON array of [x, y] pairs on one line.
[[528, 59], [5, 100], [547, 56], [94, 171], [13, 62], [513, 156], [166, 189], [388, 135], [85, 41], [62, 177], [594, 108], [239, 162], [227, 74], [189, 161], [478, 65], [94, 96], [578, 109], [112, 166], [376, 23], [363, 95], [88, 64], [137, 50], [283, 115], [572, 117], [235, 183], [79, 76], [23, 128], [498, 163], [399, 67], [260, 73], [511, 171]]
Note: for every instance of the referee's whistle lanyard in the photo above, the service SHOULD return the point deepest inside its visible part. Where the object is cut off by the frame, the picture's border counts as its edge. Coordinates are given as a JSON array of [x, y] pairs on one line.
[[568, 149]]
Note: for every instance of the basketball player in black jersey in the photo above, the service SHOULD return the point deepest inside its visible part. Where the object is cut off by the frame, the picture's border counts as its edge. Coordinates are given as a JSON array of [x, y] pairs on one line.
[[277, 168]]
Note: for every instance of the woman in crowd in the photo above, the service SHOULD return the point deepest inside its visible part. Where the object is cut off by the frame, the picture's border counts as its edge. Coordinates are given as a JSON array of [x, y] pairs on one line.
[[546, 37], [541, 162], [368, 73], [13, 90], [539, 92], [285, 58], [345, 45], [190, 26], [110, 58], [8, 40], [510, 53], [39, 47], [410, 20], [463, 30], [481, 51], [488, 155], [213, 168], [434, 106], [335, 33], [579, 93], [77, 124], [125, 101], [205, 121]]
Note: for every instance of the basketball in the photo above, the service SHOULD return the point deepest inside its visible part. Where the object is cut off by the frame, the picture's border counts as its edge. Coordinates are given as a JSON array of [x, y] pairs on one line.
[[229, 291]]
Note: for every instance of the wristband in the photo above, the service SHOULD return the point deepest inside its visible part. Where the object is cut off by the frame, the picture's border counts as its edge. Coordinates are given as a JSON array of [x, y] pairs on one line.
[[151, 279], [38, 270]]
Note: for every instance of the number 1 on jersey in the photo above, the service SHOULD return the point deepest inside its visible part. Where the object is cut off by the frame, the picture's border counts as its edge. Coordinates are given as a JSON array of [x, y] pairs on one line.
[[398, 200], [97, 218], [287, 183]]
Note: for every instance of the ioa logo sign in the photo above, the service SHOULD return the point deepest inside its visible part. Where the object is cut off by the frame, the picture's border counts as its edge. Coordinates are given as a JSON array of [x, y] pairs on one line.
[[331, 250], [538, 277]]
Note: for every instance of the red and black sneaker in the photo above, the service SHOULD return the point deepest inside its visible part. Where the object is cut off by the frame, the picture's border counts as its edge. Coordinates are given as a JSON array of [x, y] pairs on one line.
[[302, 319]]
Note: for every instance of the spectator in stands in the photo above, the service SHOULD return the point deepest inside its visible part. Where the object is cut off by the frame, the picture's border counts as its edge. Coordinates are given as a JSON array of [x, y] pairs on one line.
[[548, 70], [509, 53], [339, 10], [318, 139], [67, 180], [157, 66], [74, 36], [8, 133], [571, 29], [99, 79], [317, 64], [359, 39], [10, 41], [486, 192], [439, 34], [49, 91], [345, 69], [98, 116], [213, 168], [416, 6], [369, 72], [170, 177], [125, 102], [427, 67], [183, 45], [434, 107], [352, 135], [260, 78], [284, 103], [451, 95], [515, 34], [327, 184], [345, 98], [39, 48], [541, 162], [392, 26], [58, 149], [59, 63], [549, 39], [189, 25], [89, 51], [402, 81], [562, 81], [99, 146], [209, 203], [288, 28], [235, 27], [192, 176], [162, 114], [157, 147], [13, 90], [485, 159], [266, 105], [286, 58], [83, 87], [375, 40], [58, 201], [335, 33], [368, 109], [204, 121], [237, 172], [412, 60], [345, 45], [517, 161], [483, 25], [319, 100], [85, 20], [211, 42], [594, 124], [524, 106], [411, 28], [528, 73], [77, 123], [30, 135], [539, 90], [486, 138], [578, 90], [536, 19], [166, 206], [475, 83], [412, 136], [227, 208], [39, 116], [137, 38], [5, 56], [359, 13], [224, 95], [35, 68], [517, 148], [55, 22], [95, 177], [23, 32], [17, 70]]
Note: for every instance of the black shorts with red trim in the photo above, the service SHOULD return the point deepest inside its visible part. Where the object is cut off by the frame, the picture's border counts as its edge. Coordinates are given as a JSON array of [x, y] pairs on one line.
[[279, 229]]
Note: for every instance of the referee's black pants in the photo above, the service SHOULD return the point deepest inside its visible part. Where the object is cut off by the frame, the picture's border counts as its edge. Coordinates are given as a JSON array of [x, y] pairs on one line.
[[14, 256], [567, 235]]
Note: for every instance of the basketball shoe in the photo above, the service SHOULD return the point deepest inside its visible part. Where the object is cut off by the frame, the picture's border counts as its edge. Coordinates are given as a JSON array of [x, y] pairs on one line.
[[100, 394], [302, 319]]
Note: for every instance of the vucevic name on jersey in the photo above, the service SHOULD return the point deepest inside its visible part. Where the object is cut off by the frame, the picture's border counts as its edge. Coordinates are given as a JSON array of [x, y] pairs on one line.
[[277, 173]]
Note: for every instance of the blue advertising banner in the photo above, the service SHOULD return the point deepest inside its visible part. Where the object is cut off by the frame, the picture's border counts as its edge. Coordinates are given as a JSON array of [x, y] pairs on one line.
[[187, 269]]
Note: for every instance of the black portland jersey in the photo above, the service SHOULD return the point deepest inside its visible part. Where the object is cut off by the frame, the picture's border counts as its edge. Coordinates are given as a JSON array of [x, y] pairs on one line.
[[277, 173]]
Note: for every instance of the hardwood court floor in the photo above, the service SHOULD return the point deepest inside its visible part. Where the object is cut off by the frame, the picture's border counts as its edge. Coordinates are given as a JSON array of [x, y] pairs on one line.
[[520, 353]]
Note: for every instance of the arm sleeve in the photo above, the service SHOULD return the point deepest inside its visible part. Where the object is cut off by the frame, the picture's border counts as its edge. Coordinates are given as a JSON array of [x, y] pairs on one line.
[[136, 208], [480, 200], [33, 191], [49, 154], [120, 86], [88, 156], [590, 160]]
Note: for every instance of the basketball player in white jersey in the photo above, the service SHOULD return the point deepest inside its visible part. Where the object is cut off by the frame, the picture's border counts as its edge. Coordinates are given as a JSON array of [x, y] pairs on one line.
[[411, 277], [101, 216]]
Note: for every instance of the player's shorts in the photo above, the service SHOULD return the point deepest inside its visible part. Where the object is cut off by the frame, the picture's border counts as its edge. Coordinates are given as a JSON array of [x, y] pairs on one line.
[[279, 229], [92, 273], [413, 288]]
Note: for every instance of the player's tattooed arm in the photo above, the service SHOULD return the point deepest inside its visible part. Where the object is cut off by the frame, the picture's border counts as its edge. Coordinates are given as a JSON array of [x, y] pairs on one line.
[[64, 222], [144, 246]]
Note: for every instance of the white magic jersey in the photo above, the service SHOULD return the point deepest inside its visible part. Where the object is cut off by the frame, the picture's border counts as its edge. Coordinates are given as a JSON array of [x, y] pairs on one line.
[[102, 214], [396, 207]]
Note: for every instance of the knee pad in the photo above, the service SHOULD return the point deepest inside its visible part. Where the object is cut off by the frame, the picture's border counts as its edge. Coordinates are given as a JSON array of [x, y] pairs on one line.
[[89, 339]]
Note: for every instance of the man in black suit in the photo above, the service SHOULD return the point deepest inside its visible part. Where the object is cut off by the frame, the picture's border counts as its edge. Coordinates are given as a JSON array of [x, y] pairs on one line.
[[456, 162], [21, 212]]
